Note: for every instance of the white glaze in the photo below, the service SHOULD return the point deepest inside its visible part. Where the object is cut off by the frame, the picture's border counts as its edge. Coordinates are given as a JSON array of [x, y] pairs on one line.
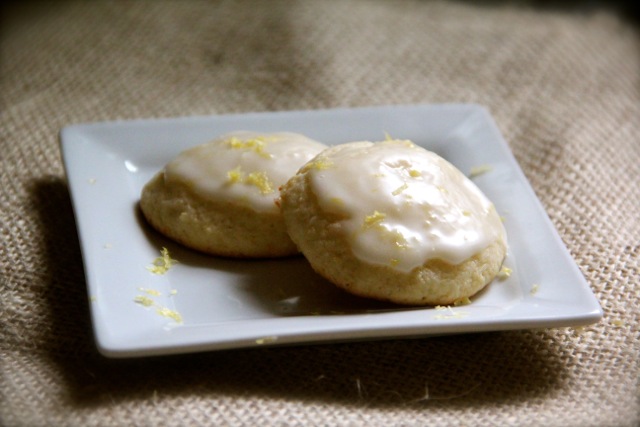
[[402, 204], [223, 168]]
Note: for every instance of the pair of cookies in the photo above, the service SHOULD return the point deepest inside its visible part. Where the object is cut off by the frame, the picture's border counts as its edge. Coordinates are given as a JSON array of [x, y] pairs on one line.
[[387, 220]]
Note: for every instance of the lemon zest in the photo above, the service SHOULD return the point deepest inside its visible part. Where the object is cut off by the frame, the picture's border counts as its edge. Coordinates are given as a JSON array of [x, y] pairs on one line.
[[166, 312], [479, 170], [451, 314], [374, 219], [337, 201], [161, 310], [256, 145], [257, 179], [319, 163], [397, 238], [235, 175], [163, 263], [266, 340], [260, 180], [504, 273], [145, 301], [400, 189], [154, 292], [462, 301]]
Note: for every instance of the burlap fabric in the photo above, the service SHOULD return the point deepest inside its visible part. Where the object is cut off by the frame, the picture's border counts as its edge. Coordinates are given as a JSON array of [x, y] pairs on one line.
[[563, 86]]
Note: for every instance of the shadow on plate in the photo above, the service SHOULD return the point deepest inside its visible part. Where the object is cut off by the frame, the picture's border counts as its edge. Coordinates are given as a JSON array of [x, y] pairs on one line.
[[280, 286]]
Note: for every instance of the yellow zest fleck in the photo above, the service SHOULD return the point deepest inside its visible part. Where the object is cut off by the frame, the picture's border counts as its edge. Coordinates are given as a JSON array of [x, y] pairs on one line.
[[451, 314], [374, 219], [534, 289], [173, 292], [319, 163], [407, 143], [161, 310], [617, 323], [502, 219], [443, 190], [142, 300], [414, 173], [399, 240], [337, 201], [257, 179], [235, 175], [479, 170], [163, 263], [395, 237], [153, 292], [462, 301], [172, 314], [266, 340], [504, 273], [400, 189], [256, 144], [322, 164], [260, 180], [387, 137]]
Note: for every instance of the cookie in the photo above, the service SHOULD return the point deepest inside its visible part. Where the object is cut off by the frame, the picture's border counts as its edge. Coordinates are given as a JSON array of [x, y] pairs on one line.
[[393, 221], [219, 197]]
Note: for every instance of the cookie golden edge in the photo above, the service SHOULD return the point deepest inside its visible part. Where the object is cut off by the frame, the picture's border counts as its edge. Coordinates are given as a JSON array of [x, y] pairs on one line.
[[213, 227], [329, 254]]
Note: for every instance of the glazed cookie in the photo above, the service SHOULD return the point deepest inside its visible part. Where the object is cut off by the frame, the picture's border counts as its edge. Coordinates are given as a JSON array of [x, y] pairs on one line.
[[219, 197], [393, 221]]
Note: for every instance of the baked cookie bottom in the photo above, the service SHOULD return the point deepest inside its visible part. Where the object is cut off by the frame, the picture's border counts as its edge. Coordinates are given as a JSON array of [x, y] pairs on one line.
[[213, 227]]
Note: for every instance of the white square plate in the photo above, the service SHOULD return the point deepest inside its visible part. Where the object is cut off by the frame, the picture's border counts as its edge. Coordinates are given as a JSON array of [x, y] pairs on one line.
[[234, 303]]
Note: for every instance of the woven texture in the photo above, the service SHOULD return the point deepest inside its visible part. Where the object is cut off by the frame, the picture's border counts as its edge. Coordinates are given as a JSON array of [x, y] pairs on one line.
[[564, 88]]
